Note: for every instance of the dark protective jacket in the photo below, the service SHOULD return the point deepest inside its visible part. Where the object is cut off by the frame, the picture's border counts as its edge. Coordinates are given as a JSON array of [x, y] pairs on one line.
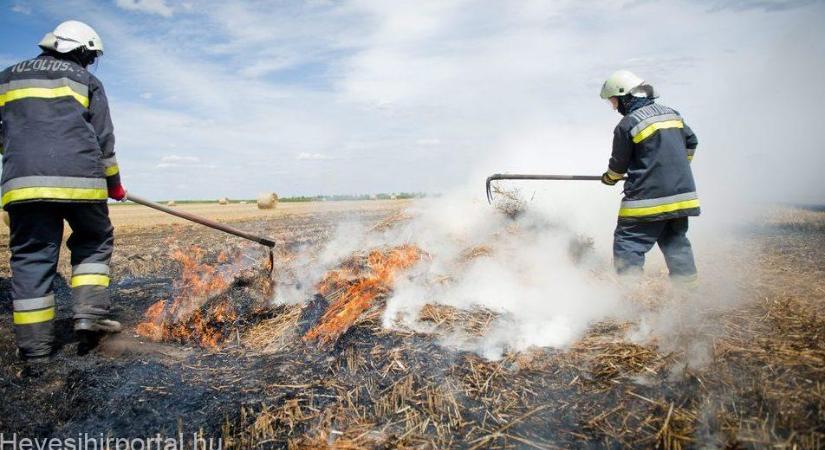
[[653, 146], [57, 136]]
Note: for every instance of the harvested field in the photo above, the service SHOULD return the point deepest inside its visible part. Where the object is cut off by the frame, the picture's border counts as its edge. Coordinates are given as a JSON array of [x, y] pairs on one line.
[[207, 350]]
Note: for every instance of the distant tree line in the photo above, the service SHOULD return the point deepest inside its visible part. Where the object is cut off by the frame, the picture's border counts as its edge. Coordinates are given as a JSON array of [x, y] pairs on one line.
[[339, 197], [328, 198]]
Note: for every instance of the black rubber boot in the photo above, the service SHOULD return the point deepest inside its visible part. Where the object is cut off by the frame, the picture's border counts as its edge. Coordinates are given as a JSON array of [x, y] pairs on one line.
[[34, 365], [90, 332], [97, 325]]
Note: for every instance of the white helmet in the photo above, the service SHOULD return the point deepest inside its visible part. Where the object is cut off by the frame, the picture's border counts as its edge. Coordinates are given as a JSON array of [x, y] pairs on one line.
[[625, 82], [70, 35]]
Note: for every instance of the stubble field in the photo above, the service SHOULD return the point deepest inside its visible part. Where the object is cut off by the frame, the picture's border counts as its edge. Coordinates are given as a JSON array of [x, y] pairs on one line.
[[207, 350]]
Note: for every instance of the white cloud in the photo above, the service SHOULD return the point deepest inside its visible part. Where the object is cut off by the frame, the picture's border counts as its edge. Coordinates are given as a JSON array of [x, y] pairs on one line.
[[158, 7], [428, 96], [304, 156], [21, 8], [179, 159], [175, 161]]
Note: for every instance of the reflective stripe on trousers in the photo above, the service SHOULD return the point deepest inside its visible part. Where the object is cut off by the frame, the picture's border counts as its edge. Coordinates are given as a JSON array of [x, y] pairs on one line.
[[90, 282], [90, 274], [34, 310], [33, 320]]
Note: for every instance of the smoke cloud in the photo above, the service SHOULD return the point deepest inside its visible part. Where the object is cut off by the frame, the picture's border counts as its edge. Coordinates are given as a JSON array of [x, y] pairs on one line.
[[545, 295]]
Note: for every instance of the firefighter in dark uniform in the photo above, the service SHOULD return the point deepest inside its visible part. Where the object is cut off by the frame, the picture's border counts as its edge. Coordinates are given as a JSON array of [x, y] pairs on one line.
[[652, 148], [58, 164]]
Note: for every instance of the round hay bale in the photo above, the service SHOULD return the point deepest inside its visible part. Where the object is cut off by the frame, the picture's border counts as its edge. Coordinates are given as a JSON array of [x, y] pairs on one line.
[[6, 218], [171, 203], [223, 201], [244, 202], [267, 200]]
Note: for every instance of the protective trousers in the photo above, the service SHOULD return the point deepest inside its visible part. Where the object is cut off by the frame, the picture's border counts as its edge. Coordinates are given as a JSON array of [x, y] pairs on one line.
[[36, 234], [633, 239]]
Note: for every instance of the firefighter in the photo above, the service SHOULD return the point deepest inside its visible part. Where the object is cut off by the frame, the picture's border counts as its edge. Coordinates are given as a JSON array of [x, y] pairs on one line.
[[58, 164], [652, 150]]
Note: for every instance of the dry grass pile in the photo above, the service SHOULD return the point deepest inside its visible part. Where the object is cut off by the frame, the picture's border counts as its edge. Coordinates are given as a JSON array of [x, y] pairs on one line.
[[509, 201]]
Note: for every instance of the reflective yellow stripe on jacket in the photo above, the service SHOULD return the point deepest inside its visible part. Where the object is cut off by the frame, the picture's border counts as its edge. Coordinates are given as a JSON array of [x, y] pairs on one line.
[[656, 126], [655, 206], [63, 91], [53, 193], [39, 88], [53, 188]]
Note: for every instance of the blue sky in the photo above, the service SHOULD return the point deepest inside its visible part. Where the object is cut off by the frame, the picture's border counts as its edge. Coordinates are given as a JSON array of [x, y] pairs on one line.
[[214, 98]]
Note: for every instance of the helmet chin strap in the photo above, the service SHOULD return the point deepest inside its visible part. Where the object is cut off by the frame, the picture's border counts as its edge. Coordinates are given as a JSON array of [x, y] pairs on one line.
[[87, 57], [623, 105]]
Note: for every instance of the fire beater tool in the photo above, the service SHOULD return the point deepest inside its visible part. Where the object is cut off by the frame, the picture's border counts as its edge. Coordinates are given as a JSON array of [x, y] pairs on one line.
[[269, 243], [512, 176]]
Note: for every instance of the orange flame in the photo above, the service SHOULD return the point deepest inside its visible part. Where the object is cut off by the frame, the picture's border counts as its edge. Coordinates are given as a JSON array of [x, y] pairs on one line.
[[359, 290], [182, 319]]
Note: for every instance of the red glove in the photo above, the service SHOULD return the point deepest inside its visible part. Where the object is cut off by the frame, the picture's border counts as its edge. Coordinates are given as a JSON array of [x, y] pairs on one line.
[[117, 193]]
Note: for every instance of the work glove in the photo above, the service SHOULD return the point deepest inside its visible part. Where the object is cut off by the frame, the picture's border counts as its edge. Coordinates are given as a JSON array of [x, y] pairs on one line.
[[608, 180], [117, 192]]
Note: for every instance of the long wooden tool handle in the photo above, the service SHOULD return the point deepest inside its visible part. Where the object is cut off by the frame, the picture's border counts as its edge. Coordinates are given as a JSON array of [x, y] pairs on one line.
[[201, 220]]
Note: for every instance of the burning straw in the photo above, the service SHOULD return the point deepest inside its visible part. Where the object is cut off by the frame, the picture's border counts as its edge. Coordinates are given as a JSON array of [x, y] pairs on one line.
[[201, 312], [352, 289]]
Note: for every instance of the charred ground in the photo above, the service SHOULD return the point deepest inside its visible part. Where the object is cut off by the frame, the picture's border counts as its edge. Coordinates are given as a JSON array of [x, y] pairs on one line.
[[763, 383]]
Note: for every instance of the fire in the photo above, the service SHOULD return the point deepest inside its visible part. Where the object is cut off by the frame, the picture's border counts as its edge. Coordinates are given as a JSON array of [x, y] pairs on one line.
[[183, 318], [198, 314], [152, 328], [358, 287]]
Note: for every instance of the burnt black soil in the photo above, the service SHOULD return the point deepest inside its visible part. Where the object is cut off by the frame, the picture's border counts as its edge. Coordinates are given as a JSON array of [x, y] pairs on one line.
[[130, 387]]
